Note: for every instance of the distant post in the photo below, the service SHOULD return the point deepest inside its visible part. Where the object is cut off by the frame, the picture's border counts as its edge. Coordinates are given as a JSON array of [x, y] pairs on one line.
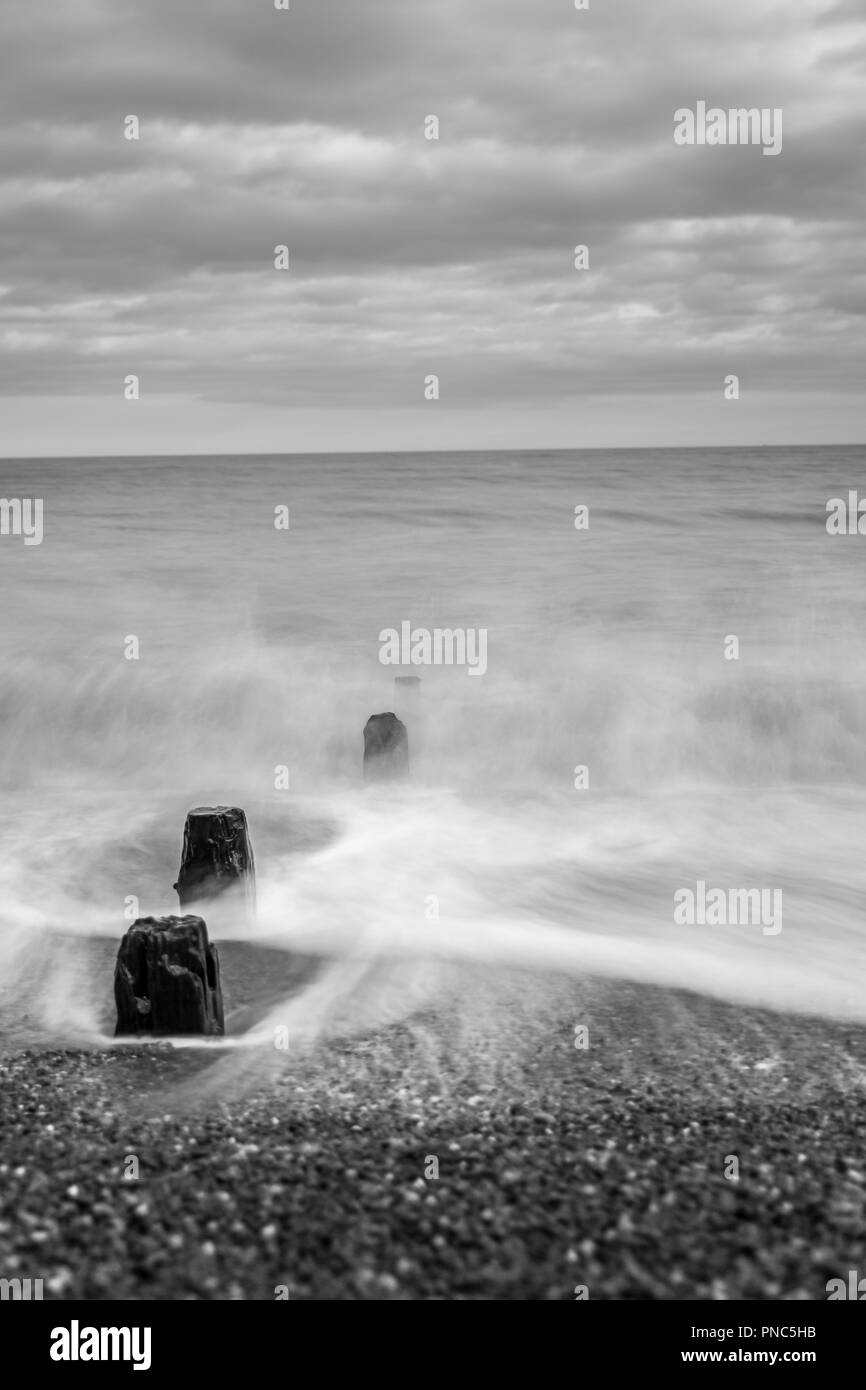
[[407, 696], [386, 748], [217, 854], [407, 707]]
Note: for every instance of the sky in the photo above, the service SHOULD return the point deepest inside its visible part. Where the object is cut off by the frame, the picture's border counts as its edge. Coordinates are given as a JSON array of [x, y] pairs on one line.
[[411, 257]]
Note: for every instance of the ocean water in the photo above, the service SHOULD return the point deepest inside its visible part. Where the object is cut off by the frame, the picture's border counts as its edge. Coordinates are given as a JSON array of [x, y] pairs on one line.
[[259, 649]]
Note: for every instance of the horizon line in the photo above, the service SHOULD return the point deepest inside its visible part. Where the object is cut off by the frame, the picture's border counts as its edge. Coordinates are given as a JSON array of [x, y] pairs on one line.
[[364, 453]]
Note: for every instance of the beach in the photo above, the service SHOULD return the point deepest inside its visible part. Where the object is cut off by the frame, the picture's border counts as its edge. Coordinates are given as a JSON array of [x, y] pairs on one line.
[[582, 831], [563, 1172], [433, 630]]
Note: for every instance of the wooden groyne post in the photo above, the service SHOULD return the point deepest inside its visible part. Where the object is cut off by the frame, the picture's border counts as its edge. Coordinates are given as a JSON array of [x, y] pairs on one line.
[[386, 748], [217, 854], [167, 979]]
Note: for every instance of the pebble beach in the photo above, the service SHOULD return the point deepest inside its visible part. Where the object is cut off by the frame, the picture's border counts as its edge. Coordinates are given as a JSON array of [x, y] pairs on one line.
[[470, 1152]]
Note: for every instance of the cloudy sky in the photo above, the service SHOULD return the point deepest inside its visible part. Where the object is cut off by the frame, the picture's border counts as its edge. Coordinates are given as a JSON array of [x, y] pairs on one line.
[[410, 256]]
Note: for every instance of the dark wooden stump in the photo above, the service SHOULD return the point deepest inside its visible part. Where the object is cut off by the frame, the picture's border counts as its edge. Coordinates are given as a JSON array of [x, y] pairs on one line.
[[407, 685], [167, 979], [386, 748], [217, 855]]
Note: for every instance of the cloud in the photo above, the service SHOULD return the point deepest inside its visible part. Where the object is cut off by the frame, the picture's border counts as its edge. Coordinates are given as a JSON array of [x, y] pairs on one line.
[[409, 256]]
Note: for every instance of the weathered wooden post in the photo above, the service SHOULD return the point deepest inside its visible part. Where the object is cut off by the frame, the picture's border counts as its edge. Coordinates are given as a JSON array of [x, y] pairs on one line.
[[386, 748], [217, 855], [167, 979], [407, 707], [407, 700], [408, 687]]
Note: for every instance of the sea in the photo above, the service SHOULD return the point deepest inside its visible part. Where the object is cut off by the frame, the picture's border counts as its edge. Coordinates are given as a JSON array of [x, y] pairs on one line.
[[673, 695]]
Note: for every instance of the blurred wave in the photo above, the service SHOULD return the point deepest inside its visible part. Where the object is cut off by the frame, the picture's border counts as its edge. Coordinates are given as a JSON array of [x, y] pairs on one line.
[[259, 649]]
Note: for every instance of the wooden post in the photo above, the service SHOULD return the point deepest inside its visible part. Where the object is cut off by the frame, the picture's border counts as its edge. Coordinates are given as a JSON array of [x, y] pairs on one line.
[[386, 748], [407, 707], [217, 855], [410, 686], [167, 979], [407, 699]]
